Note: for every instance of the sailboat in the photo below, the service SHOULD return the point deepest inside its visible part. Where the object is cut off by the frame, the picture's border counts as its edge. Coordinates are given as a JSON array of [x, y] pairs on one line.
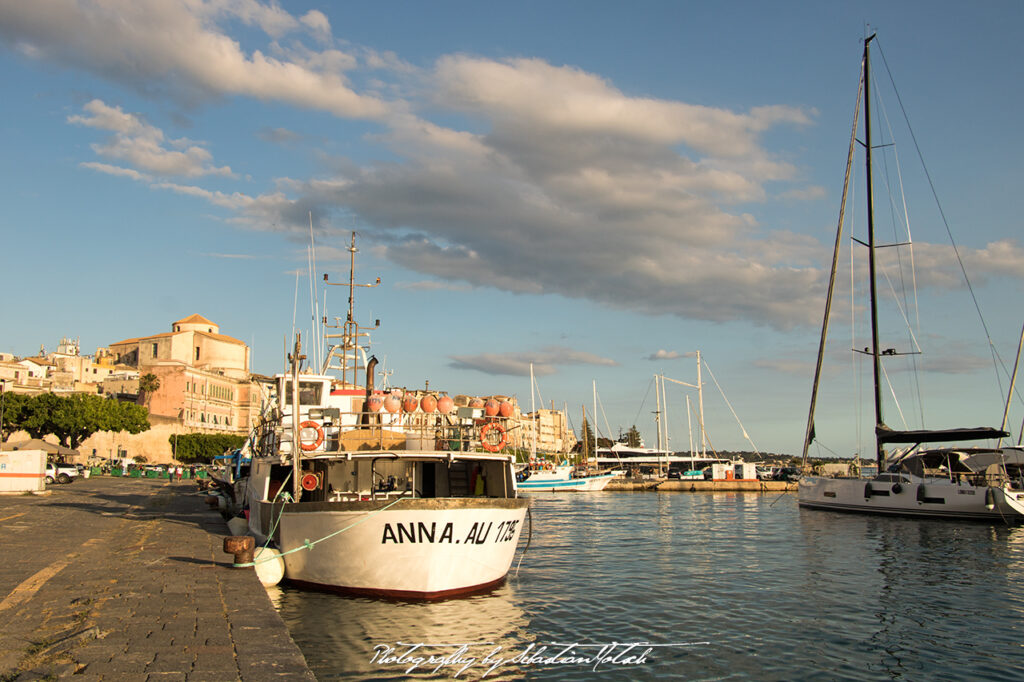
[[542, 475], [916, 478]]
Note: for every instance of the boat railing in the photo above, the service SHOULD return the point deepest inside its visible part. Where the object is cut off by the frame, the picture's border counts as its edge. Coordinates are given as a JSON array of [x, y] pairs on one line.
[[331, 430]]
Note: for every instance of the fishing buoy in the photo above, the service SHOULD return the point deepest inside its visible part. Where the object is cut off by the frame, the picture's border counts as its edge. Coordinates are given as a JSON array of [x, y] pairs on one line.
[[374, 403], [868, 491], [237, 525], [409, 404], [445, 404], [428, 403], [505, 409], [990, 498], [897, 488], [476, 403], [269, 566], [491, 407], [392, 404]]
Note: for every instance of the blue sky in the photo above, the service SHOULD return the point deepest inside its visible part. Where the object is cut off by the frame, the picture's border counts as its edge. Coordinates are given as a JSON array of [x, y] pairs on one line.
[[598, 188]]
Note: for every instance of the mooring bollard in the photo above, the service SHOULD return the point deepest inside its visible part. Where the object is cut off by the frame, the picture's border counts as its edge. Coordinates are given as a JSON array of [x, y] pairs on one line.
[[242, 546]]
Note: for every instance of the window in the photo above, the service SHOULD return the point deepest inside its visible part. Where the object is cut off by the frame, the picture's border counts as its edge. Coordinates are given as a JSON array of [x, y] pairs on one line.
[[197, 353], [154, 350], [309, 393]]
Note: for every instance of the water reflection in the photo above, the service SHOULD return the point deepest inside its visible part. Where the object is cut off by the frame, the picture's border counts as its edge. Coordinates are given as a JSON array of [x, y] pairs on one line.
[[349, 637], [742, 585]]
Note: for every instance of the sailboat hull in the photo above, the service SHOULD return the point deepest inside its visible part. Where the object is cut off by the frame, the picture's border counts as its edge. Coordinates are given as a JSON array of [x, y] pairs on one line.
[[912, 496]]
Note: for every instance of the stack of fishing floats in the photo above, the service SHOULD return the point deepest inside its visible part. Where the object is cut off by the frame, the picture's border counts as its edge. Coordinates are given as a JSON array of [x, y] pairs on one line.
[[497, 406]]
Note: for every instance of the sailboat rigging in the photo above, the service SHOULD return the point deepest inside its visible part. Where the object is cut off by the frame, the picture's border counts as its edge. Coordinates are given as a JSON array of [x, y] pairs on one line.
[[949, 482]]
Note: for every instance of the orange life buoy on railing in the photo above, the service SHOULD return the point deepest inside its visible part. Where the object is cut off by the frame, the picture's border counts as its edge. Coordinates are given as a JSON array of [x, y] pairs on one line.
[[310, 482], [488, 446], [319, 435]]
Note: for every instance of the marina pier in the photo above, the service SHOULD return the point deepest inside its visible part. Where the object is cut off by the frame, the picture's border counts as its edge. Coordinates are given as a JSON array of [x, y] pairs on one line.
[[125, 578]]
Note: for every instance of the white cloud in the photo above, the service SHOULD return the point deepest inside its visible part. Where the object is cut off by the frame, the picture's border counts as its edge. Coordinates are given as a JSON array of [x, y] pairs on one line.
[[552, 181], [142, 145], [545, 362], [140, 43], [117, 170], [317, 23]]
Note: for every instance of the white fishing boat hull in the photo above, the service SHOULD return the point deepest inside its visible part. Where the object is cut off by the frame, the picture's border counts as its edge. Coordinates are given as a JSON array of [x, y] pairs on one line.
[[417, 548], [912, 496]]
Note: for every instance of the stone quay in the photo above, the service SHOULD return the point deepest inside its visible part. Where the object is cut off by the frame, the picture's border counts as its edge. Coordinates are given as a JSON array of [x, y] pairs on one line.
[[126, 579]]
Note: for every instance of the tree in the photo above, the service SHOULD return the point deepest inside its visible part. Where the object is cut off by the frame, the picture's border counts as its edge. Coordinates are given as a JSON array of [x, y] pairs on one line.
[[633, 437], [148, 385], [76, 417], [587, 439], [201, 448], [12, 413]]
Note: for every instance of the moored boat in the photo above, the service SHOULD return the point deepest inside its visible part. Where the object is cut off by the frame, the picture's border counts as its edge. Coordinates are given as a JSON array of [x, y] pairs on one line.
[[917, 478], [384, 493], [559, 478]]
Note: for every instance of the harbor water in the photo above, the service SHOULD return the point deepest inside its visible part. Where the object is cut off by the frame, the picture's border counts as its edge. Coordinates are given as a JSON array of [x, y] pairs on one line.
[[713, 586]]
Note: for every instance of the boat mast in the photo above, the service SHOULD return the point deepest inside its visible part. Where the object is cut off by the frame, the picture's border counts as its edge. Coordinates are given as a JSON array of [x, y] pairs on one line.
[[296, 359], [700, 410], [586, 458], [876, 359], [594, 383], [351, 331], [1009, 394], [689, 428]]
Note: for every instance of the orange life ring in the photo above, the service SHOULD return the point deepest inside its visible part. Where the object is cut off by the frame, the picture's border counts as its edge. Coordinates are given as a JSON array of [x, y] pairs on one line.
[[490, 447], [310, 482], [319, 435]]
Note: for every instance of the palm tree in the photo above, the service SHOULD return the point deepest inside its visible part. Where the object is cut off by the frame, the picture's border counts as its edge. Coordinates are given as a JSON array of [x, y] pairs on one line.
[[148, 385]]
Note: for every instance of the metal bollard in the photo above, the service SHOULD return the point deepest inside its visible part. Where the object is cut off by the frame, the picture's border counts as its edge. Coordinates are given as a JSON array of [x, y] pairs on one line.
[[242, 546]]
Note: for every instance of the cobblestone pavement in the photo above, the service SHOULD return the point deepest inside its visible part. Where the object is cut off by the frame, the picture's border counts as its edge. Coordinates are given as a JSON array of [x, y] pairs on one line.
[[124, 579]]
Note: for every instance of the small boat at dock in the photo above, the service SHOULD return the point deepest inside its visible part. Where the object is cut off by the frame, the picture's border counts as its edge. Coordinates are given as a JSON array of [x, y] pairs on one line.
[[388, 493], [560, 478]]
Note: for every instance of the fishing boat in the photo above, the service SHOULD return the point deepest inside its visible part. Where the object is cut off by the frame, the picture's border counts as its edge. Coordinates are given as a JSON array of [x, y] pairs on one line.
[[917, 478], [540, 477], [380, 492]]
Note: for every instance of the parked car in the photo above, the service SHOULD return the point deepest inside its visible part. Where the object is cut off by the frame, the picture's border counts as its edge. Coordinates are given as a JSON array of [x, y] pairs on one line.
[[786, 474], [60, 472]]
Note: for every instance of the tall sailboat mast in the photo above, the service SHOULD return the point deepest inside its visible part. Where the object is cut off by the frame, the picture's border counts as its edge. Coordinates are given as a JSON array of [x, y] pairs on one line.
[[875, 358]]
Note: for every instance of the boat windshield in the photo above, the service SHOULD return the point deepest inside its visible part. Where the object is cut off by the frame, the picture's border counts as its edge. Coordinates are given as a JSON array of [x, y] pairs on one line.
[[310, 393]]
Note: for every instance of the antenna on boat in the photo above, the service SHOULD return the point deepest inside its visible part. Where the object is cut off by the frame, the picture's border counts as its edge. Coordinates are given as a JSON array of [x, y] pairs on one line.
[[348, 349]]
